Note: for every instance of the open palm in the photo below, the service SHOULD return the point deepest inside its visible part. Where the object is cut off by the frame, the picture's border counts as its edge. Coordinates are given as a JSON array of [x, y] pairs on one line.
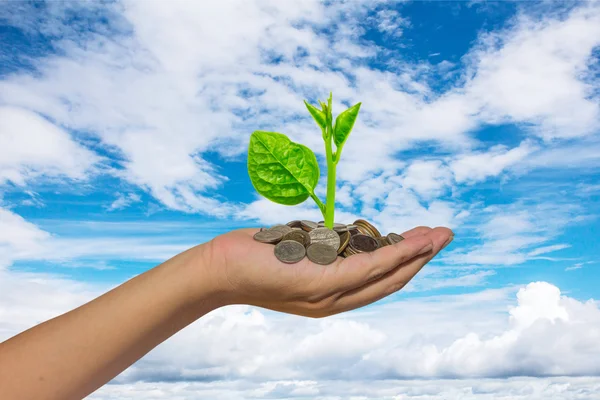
[[255, 276]]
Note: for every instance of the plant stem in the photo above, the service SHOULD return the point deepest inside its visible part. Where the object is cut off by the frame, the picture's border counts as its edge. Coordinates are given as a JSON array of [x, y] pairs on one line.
[[330, 203], [319, 203]]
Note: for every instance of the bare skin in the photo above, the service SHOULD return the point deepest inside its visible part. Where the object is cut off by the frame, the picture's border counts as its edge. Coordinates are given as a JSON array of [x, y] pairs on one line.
[[74, 354]]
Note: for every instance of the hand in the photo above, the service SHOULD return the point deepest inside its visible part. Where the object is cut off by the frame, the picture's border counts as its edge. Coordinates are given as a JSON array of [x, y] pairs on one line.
[[249, 273]]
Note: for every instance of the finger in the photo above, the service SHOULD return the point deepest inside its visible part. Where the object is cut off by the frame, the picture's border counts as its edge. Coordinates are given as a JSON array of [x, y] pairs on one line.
[[419, 230], [357, 269], [395, 279]]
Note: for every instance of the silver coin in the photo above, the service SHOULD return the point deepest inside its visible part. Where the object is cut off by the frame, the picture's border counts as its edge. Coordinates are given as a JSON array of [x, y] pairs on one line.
[[336, 226], [320, 253], [299, 236], [289, 251], [325, 236], [284, 229], [308, 225], [340, 227], [294, 224], [268, 236]]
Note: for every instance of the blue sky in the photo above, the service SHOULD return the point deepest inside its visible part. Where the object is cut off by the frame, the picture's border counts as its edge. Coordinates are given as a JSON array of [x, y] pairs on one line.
[[124, 129]]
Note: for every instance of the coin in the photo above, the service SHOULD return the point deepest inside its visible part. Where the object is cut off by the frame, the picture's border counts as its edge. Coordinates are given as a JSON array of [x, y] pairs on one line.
[[308, 225], [299, 236], [348, 251], [364, 229], [321, 253], [294, 224], [382, 241], [268, 236], [289, 251], [368, 227], [394, 238], [340, 227], [336, 226], [363, 243], [284, 229], [344, 240], [325, 236]]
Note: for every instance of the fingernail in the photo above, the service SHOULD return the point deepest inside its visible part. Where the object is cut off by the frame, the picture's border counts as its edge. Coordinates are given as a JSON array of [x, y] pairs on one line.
[[425, 249], [450, 239]]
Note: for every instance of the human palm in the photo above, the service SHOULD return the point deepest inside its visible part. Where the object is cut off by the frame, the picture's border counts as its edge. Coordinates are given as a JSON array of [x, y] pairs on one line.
[[253, 275]]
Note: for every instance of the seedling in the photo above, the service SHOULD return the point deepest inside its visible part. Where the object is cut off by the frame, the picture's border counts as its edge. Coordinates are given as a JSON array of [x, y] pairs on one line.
[[287, 173]]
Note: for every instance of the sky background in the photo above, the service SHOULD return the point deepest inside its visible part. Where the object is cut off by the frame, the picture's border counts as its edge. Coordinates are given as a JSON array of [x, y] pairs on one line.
[[124, 129]]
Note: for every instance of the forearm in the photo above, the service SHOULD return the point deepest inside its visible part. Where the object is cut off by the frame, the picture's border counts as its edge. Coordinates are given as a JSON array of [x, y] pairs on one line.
[[72, 355]]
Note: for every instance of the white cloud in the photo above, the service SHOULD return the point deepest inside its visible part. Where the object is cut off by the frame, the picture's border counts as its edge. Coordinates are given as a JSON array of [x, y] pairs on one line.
[[540, 320], [541, 338], [477, 167], [514, 233], [522, 388], [402, 210], [535, 73], [427, 178], [578, 265], [548, 249], [31, 146], [390, 22], [435, 277], [188, 91], [123, 201], [18, 237], [245, 348], [21, 240]]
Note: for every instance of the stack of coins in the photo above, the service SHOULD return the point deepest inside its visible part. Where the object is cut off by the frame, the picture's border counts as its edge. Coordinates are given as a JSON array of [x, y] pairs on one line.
[[297, 239]]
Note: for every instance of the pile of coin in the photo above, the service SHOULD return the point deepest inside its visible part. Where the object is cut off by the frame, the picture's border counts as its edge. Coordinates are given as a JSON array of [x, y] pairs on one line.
[[297, 239]]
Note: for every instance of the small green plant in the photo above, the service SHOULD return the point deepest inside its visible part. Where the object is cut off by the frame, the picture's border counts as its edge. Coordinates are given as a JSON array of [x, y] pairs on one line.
[[287, 173]]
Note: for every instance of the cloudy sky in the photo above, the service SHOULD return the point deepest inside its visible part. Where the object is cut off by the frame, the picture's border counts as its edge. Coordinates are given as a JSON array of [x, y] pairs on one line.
[[124, 128]]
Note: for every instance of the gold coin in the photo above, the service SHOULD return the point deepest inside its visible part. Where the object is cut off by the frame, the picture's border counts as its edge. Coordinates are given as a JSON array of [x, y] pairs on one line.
[[382, 241], [344, 240], [394, 238], [369, 226]]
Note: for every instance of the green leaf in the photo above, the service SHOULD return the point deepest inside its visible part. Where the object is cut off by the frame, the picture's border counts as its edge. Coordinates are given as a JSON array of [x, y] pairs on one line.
[[281, 170], [344, 124], [318, 115], [323, 105]]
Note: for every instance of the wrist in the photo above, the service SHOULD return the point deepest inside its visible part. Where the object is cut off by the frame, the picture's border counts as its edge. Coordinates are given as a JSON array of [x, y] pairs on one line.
[[200, 270]]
